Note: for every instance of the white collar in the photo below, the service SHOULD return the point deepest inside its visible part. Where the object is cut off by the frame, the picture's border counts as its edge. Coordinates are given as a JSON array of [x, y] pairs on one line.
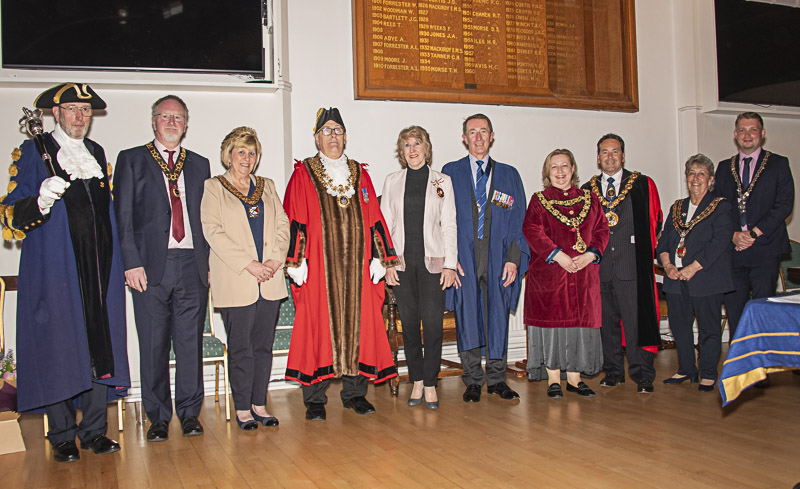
[[74, 157], [617, 177], [161, 148]]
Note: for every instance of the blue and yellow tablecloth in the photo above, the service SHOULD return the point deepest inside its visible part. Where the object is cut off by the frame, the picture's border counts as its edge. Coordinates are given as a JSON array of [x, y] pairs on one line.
[[767, 340]]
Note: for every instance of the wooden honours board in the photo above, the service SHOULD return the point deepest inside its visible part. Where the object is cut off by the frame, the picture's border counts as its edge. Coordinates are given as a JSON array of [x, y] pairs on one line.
[[578, 54]]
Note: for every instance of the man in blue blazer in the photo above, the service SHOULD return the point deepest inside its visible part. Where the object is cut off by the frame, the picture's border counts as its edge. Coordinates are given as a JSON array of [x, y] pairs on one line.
[[759, 185], [492, 255], [157, 192]]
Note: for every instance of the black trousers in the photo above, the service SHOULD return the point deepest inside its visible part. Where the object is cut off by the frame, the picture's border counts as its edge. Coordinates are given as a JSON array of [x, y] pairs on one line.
[[750, 282], [618, 299], [172, 313], [471, 359], [708, 310], [251, 333], [352, 386], [420, 298], [61, 416]]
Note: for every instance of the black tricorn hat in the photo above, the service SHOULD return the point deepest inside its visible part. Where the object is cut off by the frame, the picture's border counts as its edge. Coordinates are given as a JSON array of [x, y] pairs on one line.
[[325, 115], [66, 93]]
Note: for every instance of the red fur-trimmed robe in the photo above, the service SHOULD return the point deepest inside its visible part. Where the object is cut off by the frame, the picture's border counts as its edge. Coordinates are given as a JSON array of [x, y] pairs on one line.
[[338, 327]]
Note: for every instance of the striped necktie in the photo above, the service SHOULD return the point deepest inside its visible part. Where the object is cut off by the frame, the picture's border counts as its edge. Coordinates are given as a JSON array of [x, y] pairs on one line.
[[480, 195]]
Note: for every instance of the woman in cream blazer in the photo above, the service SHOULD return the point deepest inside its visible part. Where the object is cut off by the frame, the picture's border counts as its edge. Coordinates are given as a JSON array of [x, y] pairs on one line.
[[248, 232], [419, 207]]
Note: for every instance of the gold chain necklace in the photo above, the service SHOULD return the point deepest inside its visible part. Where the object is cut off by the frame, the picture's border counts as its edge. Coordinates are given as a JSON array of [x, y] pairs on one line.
[[683, 229], [339, 190], [572, 222], [613, 217], [743, 196], [171, 174], [252, 200]]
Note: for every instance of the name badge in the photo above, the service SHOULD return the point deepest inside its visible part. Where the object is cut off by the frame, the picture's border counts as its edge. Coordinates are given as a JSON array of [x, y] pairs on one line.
[[503, 200]]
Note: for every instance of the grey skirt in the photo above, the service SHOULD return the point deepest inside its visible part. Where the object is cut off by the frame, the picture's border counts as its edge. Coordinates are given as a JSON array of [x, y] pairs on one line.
[[565, 349]]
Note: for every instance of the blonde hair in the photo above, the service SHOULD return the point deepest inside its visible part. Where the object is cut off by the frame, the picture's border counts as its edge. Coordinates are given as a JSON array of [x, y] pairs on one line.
[[421, 135], [241, 137], [546, 167]]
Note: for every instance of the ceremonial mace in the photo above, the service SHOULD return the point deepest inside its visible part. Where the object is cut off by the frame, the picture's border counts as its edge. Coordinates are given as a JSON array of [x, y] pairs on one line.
[[32, 121]]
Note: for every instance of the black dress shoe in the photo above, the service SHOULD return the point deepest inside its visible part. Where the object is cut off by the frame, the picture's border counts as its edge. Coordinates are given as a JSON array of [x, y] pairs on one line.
[[582, 389], [706, 388], [315, 411], [66, 451], [503, 390], [360, 405], [555, 391], [682, 379], [609, 381], [645, 387], [268, 421], [472, 394], [191, 426], [158, 431], [100, 444]]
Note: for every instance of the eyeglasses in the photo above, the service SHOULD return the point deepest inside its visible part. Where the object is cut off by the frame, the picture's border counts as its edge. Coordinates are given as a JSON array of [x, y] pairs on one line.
[[73, 109], [166, 117], [327, 131]]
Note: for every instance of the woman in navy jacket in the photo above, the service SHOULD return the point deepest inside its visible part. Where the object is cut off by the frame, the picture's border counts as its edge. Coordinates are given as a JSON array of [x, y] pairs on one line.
[[695, 250]]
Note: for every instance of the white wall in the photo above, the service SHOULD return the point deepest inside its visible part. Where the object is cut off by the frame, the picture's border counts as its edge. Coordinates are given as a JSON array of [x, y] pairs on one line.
[[669, 126]]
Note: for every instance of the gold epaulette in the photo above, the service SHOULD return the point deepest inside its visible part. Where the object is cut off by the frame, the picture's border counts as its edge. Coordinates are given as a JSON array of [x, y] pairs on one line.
[[7, 211]]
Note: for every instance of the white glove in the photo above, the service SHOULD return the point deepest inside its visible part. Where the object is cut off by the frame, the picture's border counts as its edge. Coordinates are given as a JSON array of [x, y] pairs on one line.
[[299, 275], [376, 271], [50, 191]]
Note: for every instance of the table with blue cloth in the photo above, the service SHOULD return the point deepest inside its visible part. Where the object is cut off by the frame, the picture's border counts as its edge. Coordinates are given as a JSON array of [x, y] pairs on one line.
[[767, 340]]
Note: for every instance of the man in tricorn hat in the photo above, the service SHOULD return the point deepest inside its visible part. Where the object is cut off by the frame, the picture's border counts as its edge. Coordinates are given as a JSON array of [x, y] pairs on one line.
[[339, 248], [71, 340]]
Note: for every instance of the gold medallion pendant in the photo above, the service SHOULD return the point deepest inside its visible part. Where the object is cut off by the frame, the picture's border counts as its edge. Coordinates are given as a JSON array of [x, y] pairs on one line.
[[440, 192], [580, 245], [175, 192], [611, 193], [613, 218], [681, 249], [343, 201], [253, 211]]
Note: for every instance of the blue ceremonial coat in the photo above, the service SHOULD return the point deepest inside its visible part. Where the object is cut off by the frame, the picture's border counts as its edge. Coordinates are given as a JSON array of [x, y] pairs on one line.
[[52, 348], [505, 229]]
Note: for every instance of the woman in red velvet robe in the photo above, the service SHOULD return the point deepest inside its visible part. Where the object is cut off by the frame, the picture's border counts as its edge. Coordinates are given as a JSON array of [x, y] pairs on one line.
[[567, 232]]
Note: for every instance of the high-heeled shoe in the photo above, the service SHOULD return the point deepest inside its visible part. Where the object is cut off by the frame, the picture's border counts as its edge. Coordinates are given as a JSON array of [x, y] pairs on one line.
[[706, 387], [416, 402], [430, 404], [268, 421], [680, 380], [249, 425]]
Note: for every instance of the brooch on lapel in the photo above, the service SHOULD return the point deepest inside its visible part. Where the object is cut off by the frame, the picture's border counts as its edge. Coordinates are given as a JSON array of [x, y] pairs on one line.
[[436, 183], [364, 195]]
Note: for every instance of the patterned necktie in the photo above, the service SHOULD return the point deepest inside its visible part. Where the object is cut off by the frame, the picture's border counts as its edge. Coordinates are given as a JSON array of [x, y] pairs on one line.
[[610, 191], [178, 231], [480, 195], [746, 173]]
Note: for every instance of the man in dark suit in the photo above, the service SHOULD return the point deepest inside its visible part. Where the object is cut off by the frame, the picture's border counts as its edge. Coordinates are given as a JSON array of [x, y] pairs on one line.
[[759, 185], [492, 254], [157, 189], [627, 279]]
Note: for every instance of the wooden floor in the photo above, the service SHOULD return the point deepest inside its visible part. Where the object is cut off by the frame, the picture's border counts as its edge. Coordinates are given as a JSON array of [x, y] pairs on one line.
[[674, 438]]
